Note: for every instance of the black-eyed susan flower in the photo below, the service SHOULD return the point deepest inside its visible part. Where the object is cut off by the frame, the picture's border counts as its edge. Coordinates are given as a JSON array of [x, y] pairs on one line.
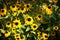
[[7, 33], [27, 6], [55, 28], [28, 20], [34, 26], [14, 13], [22, 10], [16, 23], [45, 36], [39, 17], [13, 8], [53, 33], [8, 2], [19, 10], [18, 3], [3, 12], [22, 39], [39, 33], [17, 39], [13, 29], [55, 1], [17, 35], [48, 10], [8, 24], [41, 9]]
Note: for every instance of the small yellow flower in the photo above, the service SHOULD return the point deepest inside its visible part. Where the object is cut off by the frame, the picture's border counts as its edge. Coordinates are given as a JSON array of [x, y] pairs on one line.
[[28, 20], [13, 8], [56, 28], [3, 12], [55, 1], [8, 24], [13, 29], [7, 33], [48, 10], [45, 36], [14, 13], [17, 39], [18, 4], [53, 33], [39, 17], [16, 23], [39, 33], [41, 9], [34, 27], [17, 35], [27, 6], [22, 10]]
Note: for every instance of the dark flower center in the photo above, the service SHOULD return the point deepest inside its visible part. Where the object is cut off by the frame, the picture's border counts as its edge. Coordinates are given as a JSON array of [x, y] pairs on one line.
[[29, 19], [22, 8], [7, 0], [6, 32], [2, 10], [13, 29], [16, 23], [13, 6], [49, 7], [18, 3], [56, 28], [34, 26], [17, 38], [46, 36], [21, 37], [8, 23], [18, 8], [27, 6], [16, 35], [39, 16], [41, 33]]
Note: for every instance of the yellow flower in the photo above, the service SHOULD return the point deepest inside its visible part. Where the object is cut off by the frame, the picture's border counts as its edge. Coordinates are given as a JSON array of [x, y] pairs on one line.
[[8, 24], [28, 20], [13, 8], [41, 9], [17, 35], [14, 13], [56, 28], [17, 39], [45, 36], [3, 12], [53, 33], [48, 10], [39, 17], [34, 27], [8, 2], [55, 1], [13, 29], [22, 10], [16, 23], [7, 33], [18, 4], [39, 33], [27, 6]]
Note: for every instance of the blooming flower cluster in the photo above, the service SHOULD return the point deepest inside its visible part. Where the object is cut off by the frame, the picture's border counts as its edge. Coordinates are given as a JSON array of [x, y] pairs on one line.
[[29, 20]]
